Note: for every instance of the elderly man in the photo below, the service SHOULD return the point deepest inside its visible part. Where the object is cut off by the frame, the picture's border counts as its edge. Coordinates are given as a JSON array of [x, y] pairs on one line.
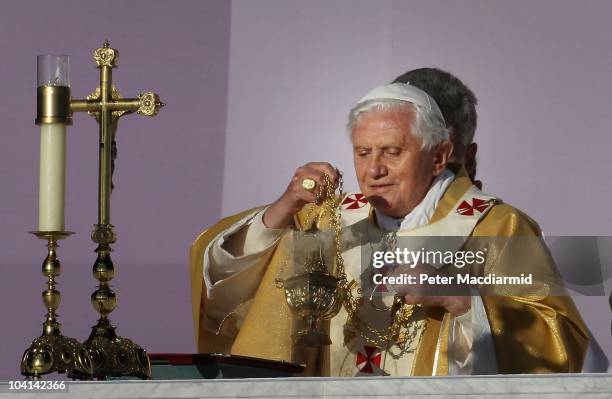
[[408, 188]]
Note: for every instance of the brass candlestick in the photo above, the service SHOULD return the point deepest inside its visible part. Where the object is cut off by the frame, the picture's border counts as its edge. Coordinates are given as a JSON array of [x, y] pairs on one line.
[[111, 355], [53, 352]]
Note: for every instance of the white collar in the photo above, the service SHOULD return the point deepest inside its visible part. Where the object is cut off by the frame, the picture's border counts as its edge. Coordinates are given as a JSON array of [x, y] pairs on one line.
[[422, 213]]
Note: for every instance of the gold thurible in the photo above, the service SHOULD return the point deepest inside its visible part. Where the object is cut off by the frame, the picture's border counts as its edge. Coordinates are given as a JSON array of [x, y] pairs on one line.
[[316, 293], [111, 355], [53, 352]]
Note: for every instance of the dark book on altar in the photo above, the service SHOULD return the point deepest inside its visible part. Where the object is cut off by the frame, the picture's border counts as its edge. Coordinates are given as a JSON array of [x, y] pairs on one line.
[[184, 366]]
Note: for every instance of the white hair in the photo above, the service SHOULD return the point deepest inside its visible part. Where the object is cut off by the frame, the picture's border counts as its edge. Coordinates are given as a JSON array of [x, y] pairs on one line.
[[427, 126]]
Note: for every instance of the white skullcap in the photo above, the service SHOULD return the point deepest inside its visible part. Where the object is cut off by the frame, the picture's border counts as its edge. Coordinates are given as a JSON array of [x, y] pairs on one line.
[[404, 92]]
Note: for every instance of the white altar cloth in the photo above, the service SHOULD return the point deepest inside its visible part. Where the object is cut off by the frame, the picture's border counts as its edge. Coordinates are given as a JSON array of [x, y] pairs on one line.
[[554, 386]]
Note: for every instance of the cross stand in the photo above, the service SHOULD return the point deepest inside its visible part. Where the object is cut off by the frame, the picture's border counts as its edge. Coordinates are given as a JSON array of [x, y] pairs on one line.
[[111, 355]]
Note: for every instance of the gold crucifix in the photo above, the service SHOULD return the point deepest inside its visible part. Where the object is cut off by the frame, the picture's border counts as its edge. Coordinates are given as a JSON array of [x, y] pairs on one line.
[[111, 355]]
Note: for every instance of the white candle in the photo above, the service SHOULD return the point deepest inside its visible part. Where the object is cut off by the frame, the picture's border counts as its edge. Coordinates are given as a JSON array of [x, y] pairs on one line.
[[52, 177]]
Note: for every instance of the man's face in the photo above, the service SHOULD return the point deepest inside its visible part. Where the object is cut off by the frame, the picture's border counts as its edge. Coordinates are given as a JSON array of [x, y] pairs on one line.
[[392, 170]]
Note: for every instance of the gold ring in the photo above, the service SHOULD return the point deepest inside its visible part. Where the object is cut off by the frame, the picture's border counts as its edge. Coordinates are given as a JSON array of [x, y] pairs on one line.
[[309, 184]]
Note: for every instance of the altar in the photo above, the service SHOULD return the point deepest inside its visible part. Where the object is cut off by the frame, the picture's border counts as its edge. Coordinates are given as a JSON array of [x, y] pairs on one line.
[[557, 386]]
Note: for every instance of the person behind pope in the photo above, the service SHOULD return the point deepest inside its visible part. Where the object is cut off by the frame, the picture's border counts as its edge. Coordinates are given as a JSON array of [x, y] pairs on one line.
[[401, 151], [457, 103]]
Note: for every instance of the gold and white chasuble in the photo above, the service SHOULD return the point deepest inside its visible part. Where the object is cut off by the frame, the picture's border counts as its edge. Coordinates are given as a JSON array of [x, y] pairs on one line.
[[530, 334], [361, 354]]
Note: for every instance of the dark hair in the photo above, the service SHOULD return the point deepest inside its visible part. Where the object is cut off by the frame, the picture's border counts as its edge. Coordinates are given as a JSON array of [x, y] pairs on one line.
[[456, 101]]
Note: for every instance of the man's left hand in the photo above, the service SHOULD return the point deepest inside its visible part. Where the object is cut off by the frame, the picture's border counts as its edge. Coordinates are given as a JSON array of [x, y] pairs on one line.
[[433, 295]]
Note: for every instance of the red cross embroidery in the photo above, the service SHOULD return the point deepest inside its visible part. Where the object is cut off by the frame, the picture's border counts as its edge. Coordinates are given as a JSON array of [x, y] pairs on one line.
[[354, 201], [478, 204], [365, 360]]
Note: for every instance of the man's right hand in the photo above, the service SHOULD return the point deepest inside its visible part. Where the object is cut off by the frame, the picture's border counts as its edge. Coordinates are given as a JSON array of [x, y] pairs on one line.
[[280, 214]]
